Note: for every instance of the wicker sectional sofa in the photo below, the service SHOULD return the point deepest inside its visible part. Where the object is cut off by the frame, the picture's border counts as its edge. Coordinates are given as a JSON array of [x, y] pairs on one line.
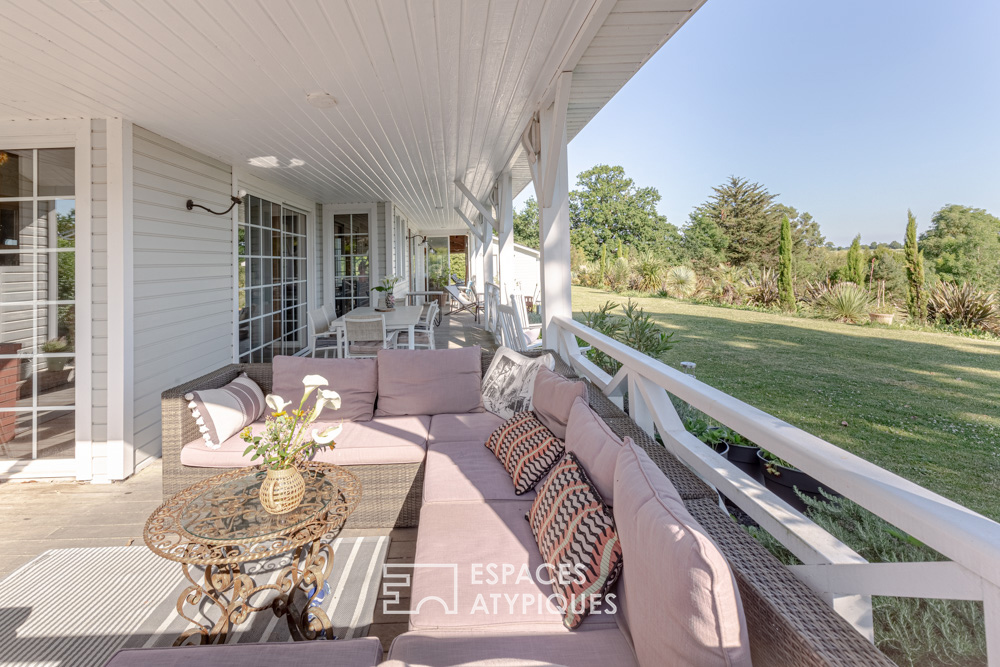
[[787, 624]]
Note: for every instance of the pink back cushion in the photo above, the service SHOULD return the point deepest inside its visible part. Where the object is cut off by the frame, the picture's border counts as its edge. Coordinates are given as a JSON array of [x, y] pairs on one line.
[[429, 382], [553, 398], [354, 379], [596, 447], [683, 605]]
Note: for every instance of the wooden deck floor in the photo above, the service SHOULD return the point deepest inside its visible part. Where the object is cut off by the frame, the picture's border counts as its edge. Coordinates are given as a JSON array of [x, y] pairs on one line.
[[38, 516]]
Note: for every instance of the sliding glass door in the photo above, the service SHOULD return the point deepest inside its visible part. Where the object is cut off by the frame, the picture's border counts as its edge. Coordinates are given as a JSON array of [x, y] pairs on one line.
[[37, 304]]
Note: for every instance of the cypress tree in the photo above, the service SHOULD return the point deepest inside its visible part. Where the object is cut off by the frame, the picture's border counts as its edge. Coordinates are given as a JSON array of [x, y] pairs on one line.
[[621, 250], [916, 298], [855, 262], [786, 289], [604, 262]]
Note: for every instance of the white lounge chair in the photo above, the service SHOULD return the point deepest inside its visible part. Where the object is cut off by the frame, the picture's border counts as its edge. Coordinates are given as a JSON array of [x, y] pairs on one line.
[[464, 302]]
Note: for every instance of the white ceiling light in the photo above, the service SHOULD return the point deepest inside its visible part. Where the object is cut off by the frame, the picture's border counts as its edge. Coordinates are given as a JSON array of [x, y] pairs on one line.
[[321, 100]]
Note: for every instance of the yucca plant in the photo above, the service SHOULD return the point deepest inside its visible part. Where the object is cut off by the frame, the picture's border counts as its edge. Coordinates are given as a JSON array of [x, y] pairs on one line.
[[814, 292], [680, 282], [762, 287], [619, 275], [964, 306], [728, 284], [847, 302], [649, 271]]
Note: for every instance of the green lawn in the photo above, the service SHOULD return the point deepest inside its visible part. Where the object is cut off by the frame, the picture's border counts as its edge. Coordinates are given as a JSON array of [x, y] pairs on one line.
[[923, 405]]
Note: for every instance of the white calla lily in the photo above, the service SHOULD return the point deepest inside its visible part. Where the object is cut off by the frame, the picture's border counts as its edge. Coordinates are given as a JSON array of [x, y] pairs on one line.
[[327, 398], [312, 383], [276, 403], [326, 436]]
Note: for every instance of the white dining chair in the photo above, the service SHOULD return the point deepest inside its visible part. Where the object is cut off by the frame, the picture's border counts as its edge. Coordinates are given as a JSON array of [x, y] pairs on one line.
[[423, 333], [365, 335], [321, 339]]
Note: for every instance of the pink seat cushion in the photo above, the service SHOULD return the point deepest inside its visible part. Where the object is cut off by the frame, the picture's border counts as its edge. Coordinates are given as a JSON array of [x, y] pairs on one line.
[[466, 472], [463, 427], [598, 646], [473, 536], [356, 380], [364, 652], [429, 382], [683, 605], [553, 399], [381, 440], [595, 445]]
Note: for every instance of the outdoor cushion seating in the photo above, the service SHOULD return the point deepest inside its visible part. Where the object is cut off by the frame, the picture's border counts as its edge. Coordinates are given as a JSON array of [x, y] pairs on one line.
[[690, 612], [593, 646], [473, 535], [363, 652], [356, 380], [463, 427], [466, 472], [596, 445], [429, 382], [553, 399]]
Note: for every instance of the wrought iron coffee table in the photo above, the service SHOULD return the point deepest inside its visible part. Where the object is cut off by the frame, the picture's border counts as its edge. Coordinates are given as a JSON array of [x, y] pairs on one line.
[[223, 539]]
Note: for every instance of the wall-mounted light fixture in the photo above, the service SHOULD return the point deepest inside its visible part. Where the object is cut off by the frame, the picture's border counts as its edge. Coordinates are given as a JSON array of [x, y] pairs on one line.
[[235, 199]]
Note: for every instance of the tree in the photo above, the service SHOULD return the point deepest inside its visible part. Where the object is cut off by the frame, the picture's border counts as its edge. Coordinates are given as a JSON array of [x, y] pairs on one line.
[[786, 289], [916, 297], [526, 224], [703, 242], [963, 245], [607, 207], [887, 265], [896, 245], [807, 243], [855, 271], [746, 213]]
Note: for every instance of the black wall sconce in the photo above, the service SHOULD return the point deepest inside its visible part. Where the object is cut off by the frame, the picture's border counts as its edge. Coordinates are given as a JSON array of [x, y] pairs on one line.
[[236, 201]]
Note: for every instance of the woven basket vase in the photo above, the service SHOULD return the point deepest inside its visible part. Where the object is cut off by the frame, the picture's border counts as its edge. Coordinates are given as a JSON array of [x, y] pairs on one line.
[[282, 490]]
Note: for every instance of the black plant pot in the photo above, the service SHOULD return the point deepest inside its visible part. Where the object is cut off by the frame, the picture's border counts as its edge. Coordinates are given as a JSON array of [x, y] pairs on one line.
[[721, 448], [789, 477], [743, 453]]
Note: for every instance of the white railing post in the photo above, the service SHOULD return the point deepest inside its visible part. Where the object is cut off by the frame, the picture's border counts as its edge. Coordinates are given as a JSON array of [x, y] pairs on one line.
[[991, 612]]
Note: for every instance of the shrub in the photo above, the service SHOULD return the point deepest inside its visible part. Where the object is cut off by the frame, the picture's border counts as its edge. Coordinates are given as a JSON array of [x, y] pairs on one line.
[[619, 275], [762, 287], [813, 292], [728, 284], [649, 271], [680, 282], [964, 306], [846, 302], [634, 327]]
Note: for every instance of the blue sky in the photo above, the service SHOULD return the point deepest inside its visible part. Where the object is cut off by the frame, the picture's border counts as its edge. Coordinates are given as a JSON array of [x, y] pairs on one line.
[[853, 111]]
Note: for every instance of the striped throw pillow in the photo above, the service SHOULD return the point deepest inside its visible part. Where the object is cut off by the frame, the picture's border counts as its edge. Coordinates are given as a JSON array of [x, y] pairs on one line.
[[221, 413], [576, 536], [526, 448]]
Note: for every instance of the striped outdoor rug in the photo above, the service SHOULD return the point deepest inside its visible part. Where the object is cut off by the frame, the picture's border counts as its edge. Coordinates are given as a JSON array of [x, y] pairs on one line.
[[78, 606]]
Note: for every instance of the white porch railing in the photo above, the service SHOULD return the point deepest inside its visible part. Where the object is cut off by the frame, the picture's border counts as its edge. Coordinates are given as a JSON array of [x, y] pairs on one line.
[[830, 567]]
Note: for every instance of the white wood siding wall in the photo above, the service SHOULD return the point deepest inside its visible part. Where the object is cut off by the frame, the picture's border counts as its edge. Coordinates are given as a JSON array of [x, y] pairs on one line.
[[183, 275], [99, 296]]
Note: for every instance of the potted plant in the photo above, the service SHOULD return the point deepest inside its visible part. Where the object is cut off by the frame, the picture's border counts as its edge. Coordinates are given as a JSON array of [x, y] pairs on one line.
[[708, 432], [56, 346], [882, 311], [287, 439], [782, 472], [741, 450], [387, 289]]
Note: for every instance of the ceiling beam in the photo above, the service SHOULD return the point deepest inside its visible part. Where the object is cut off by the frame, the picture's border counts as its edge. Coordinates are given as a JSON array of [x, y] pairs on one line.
[[469, 224], [482, 208]]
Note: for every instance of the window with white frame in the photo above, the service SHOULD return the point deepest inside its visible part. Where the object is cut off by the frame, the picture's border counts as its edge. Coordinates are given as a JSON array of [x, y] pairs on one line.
[[272, 280], [37, 304]]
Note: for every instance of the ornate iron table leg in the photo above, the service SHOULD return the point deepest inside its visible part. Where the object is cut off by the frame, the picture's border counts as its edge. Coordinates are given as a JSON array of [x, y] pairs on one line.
[[310, 568]]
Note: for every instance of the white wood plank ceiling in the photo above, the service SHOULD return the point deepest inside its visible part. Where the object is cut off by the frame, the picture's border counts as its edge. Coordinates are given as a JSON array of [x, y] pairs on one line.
[[427, 90]]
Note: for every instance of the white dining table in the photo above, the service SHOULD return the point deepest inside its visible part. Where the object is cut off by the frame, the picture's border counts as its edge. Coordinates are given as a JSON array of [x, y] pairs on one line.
[[402, 318]]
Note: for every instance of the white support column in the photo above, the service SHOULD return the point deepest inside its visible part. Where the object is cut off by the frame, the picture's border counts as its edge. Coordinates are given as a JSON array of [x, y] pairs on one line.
[[476, 255], [121, 453], [553, 212], [505, 232]]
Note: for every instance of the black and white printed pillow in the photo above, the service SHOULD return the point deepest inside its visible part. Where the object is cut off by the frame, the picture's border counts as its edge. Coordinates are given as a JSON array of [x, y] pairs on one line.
[[510, 381], [221, 413]]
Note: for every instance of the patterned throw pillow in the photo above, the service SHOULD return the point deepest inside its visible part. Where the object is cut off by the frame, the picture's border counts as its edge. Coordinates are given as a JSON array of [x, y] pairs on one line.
[[576, 534], [221, 413], [509, 383], [526, 448]]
